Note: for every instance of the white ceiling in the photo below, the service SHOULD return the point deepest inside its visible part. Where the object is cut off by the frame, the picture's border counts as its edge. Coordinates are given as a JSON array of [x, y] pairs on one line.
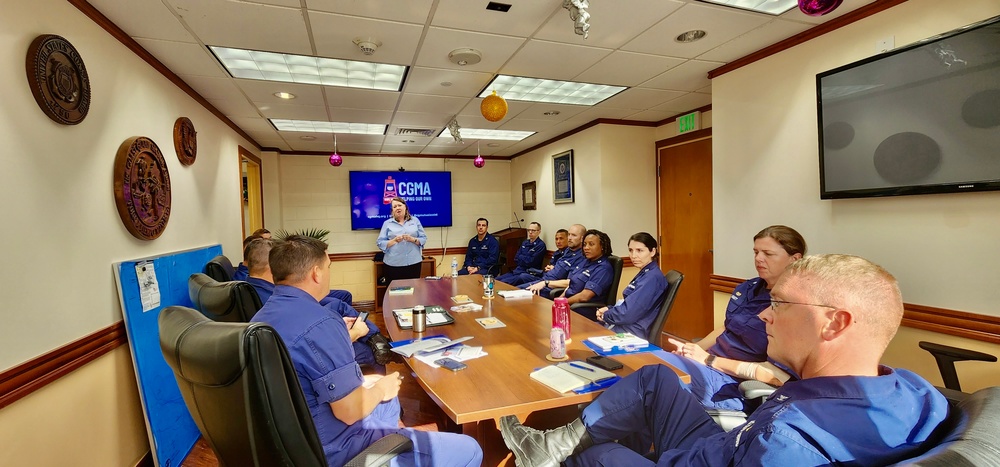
[[630, 44]]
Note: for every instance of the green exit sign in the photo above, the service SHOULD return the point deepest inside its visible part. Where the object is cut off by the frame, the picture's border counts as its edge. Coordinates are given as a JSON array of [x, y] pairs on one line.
[[689, 122]]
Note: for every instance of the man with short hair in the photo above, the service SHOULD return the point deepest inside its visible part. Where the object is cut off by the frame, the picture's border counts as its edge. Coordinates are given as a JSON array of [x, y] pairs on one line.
[[529, 255], [561, 248], [569, 263], [241, 272], [350, 411], [483, 252], [830, 320], [257, 253]]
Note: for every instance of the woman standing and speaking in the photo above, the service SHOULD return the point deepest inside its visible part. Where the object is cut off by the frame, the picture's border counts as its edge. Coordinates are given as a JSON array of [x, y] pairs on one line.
[[402, 238]]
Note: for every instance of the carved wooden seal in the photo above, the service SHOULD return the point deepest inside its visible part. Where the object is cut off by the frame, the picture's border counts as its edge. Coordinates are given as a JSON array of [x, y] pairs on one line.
[[142, 188], [58, 79], [185, 140]]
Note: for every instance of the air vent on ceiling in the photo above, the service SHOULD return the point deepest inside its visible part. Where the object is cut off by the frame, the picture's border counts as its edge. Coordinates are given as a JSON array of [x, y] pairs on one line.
[[497, 6], [416, 131]]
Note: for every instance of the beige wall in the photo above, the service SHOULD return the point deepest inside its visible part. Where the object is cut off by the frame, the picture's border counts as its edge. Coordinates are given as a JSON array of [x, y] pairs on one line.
[[941, 247], [64, 232]]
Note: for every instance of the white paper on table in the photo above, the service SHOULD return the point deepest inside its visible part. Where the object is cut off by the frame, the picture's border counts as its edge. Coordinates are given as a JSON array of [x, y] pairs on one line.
[[149, 289], [454, 353]]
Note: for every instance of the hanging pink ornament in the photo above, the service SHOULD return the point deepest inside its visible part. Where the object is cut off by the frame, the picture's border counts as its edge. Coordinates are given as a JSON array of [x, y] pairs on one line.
[[479, 162], [336, 160], [818, 7]]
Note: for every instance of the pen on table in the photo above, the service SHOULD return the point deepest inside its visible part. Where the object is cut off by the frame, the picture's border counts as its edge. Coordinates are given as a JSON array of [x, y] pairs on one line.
[[577, 365]]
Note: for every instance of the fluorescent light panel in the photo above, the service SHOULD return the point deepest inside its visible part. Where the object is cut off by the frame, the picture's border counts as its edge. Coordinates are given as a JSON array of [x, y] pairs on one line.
[[771, 7], [288, 68], [547, 90], [475, 133], [328, 127]]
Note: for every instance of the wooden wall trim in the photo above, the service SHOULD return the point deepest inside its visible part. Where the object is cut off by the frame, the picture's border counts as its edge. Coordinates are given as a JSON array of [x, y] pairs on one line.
[[805, 36], [34, 374], [974, 326], [369, 255]]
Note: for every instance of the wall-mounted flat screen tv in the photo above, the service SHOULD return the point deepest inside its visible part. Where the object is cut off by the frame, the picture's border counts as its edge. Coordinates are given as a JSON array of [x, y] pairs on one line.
[[924, 118], [427, 195]]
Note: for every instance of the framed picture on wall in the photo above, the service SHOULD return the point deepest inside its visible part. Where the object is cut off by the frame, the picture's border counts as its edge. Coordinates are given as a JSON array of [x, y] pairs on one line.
[[562, 177], [528, 202]]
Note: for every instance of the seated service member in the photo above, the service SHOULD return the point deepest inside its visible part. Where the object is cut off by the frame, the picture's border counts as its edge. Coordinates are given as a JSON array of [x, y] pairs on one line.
[[830, 319], [263, 282], [350, 411], [561, 248], [242, 272], [642, 298], [738, 350], [592, 280], [483, 252], [569, 263], [529, 256]]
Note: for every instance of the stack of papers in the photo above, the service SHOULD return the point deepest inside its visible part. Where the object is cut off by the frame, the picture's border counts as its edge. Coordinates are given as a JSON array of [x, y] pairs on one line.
[[459, 352], [519, 293], [427, 345], [436, 316], [402, 290], [567, 376], [467, 307], [622, 341]]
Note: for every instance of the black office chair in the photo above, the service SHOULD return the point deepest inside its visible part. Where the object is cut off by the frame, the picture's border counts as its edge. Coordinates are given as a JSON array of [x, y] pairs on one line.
[[233, 302], [946, 356], [220, 269], [240, 387], [655, 331], [589, 309]]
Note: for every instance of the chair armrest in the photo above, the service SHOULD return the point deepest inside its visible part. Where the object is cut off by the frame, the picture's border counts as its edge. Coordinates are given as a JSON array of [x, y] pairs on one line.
[[727, 419], [946, 356], [753, 389], [381, 451], [553, 293]]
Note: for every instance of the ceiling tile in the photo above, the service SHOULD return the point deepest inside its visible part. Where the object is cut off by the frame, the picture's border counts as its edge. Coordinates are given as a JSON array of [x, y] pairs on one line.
[[537, 111], [612, 24], [627, 68], [353, 98], [688, 76], [640, 98], [768, 34], [524, 17], [260, 27], [439, 42], [334, 37], [552, 60], [409, 11], [263, 92], [432, 104], [360, 115], [685, 103], [184, 58], [524, 124], [420, 120], [235, 107], [255, 124], [651, 116], [213, 88], [125, 14], [293, 112], [422, 80], [721, 24]]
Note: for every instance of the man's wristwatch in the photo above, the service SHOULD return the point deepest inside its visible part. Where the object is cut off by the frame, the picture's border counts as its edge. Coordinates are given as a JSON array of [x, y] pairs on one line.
[[710, 360], [546, 283]]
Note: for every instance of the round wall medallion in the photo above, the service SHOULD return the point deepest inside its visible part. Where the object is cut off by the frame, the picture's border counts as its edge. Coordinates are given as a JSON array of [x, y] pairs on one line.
[[142, 188], [185, 140], [58, 79]]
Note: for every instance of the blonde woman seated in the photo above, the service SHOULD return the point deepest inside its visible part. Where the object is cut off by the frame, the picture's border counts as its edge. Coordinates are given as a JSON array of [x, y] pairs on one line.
[[737, 351], [642, 298]]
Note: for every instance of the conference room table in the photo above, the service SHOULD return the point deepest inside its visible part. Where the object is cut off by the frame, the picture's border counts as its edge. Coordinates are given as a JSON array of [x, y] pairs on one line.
[[498, 383]]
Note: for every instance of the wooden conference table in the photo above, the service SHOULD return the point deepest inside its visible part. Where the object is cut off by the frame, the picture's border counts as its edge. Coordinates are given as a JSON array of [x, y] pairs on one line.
[[496, 384]]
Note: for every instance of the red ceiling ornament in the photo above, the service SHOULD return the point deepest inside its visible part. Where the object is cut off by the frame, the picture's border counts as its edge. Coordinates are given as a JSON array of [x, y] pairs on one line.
[[493, 107], [818, 7], [335, 159]]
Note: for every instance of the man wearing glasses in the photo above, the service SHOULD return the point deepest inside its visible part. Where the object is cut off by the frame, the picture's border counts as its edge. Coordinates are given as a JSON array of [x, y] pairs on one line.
[[529, 256], [830, 320]]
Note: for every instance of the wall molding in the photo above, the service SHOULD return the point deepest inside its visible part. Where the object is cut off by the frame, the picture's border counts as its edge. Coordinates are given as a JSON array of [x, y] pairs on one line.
[[974, 326], [34, 374]]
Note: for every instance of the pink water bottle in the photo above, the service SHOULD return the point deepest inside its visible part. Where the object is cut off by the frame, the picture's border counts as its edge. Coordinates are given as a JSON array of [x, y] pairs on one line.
[[560, 315]]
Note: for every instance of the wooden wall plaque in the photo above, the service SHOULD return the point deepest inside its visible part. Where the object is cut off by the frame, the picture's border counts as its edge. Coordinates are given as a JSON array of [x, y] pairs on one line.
[[142, 188], [58, 79], [185, 140]]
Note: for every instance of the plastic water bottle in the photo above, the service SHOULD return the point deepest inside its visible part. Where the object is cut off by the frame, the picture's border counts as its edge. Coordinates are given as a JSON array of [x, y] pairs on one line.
[[454, 266], [560, 316]]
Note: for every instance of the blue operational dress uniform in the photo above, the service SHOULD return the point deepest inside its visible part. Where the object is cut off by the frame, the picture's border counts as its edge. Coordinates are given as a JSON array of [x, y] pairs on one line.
[[744, 339], [319, 347], [569, 263], [855, 420], [641, 301], [529, 256], [483, 254], [558, 254], [241, 273], [595, 276], [364, 353]]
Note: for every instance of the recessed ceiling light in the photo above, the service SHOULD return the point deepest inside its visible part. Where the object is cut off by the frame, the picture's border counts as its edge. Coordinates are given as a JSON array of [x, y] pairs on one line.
[[446, 83], [476, 133], [771, 7], [547, 90], [409, 141], [284, 95], [690, 36], [288, 68], [551, 113], [327, 127], [307, 138]]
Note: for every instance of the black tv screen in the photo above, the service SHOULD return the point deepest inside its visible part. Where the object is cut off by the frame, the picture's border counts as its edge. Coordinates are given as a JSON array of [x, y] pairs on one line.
[[427, 195], [924, 118]]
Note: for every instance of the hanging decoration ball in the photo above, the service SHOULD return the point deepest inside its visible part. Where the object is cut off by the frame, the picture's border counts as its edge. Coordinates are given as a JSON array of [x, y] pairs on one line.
[[818, 7], [493, 107], [479, 162], [336, 160]]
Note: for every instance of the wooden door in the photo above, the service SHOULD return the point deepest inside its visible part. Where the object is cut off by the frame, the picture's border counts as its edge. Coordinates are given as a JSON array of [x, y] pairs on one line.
[[685, 201]]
